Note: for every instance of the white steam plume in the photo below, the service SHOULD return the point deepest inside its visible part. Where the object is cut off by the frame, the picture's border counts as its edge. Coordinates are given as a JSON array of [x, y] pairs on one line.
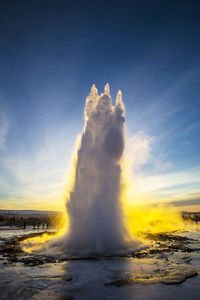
[[94, 208]]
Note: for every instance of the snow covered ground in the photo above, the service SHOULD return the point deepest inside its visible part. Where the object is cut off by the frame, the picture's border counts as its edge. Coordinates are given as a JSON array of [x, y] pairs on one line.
[[169, 269]]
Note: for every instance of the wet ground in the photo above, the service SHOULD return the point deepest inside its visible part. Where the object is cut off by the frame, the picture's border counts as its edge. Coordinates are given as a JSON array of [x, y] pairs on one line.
[[169, 268]]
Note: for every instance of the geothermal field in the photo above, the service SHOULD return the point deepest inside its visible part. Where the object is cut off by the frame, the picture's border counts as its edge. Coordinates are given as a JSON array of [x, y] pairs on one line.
[[104, 249]]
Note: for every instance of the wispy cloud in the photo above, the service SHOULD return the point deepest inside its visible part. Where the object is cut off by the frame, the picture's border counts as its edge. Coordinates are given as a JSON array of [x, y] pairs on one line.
[[187, 202], [161, 163], [166, 183], [164, 105], [4, 124], [37, 178], [169, 185]]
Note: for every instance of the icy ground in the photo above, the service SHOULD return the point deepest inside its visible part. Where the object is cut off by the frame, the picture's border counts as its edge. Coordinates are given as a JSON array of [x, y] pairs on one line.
[[168, 269]]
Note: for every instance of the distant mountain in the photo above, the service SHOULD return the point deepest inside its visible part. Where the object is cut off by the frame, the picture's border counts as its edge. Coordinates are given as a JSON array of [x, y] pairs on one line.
[[28, 212]]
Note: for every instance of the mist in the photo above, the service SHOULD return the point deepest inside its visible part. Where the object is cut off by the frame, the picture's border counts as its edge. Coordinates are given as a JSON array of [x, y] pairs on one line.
[[94, 208]]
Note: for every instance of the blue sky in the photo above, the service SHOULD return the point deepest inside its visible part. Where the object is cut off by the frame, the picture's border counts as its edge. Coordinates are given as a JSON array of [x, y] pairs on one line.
[[52, 52]]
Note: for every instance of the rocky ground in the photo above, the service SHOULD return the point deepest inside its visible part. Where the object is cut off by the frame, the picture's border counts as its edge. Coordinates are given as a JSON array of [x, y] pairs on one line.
[[168, 268]]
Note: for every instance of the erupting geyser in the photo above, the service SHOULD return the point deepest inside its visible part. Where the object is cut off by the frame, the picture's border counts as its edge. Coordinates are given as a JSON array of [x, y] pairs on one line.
[[94, 207]]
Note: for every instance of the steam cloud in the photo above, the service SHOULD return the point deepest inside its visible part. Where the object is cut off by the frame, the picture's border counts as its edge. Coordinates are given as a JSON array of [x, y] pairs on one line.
[[94, 208]]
